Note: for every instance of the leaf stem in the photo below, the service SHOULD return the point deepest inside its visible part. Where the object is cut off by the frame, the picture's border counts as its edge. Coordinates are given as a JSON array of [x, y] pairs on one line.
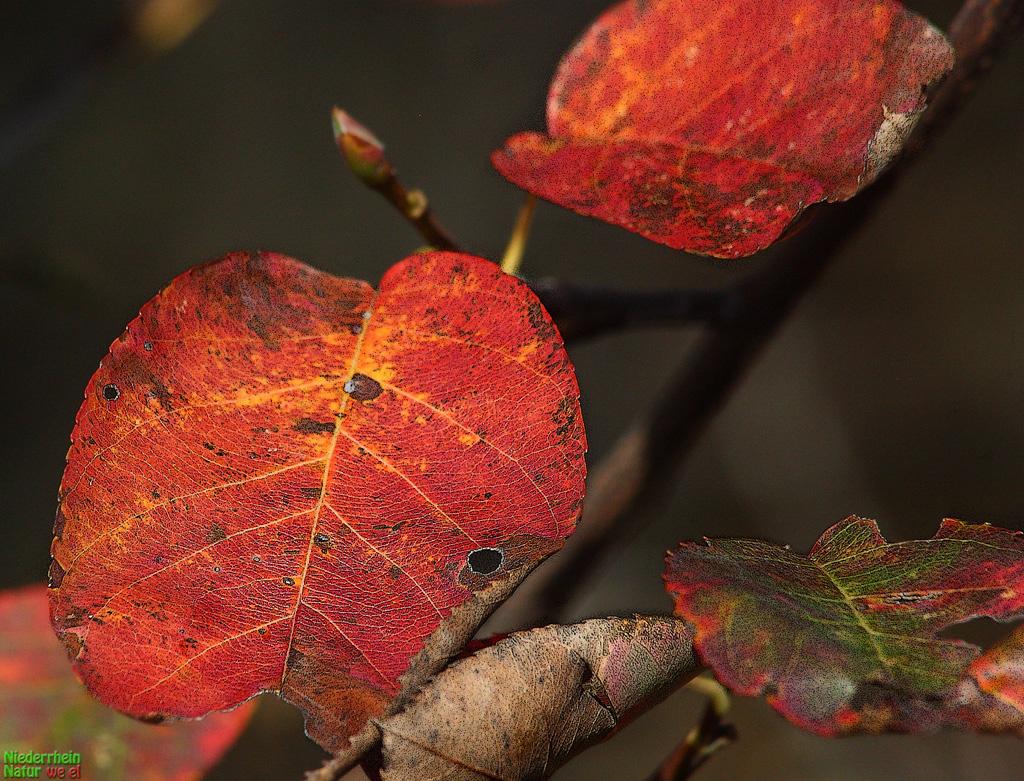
[[710, 735], [513, 257], [629, 485], [364, 154]]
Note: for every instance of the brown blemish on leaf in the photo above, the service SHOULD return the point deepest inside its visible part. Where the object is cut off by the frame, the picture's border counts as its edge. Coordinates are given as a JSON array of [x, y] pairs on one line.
[[215, 534], [310, 426], [363, 388], [323, 542], [72, 643]]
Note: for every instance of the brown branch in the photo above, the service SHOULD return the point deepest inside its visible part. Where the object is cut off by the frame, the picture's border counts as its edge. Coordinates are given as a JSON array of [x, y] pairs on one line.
[[583, 311], [633, 479]]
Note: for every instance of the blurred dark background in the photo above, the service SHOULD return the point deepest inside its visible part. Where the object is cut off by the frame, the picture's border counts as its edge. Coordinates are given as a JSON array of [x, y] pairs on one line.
[[895, 392]]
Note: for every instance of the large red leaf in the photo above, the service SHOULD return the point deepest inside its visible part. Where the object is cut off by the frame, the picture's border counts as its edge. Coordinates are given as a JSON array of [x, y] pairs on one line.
[[283, 481], [846, 639], [709, 126], [44, 709]]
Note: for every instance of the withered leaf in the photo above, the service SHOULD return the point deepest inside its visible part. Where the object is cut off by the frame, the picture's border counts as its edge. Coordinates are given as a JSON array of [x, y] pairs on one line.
[[519, 709]]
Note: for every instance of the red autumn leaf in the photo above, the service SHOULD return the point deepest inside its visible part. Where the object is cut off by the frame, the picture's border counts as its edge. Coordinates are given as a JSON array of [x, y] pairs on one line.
[[711, 126], [281, 480], [44, 709], [845, 640]]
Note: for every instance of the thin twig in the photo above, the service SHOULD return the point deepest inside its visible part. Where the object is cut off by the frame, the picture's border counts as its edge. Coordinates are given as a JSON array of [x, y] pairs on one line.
[[630, 484], [707, 738], [513, 257], [364, 154]]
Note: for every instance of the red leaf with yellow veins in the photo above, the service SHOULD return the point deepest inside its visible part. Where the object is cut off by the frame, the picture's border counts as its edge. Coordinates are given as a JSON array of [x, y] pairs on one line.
[[711, 126], [281, 480], [846, 639], [43, 709]]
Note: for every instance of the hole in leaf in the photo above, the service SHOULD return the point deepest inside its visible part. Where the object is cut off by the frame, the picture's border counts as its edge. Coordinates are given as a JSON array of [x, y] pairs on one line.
[[111, 392], [147, 346], [485, 561], [288, 581], [982, 631]]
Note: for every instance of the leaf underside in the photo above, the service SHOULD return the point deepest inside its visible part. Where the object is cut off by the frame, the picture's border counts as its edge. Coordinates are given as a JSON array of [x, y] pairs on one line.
[[845, 640]]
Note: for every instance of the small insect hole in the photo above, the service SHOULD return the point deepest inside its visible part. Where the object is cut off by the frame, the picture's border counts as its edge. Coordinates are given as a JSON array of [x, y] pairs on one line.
[[485, 561], [147, 346], [216, 569], [288, 581], [111, 392], [256, 559]]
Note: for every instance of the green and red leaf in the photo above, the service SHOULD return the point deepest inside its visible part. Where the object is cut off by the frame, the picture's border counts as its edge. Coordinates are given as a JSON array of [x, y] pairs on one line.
[[44, 709], [281, 480], [711, 126], [846, 639]]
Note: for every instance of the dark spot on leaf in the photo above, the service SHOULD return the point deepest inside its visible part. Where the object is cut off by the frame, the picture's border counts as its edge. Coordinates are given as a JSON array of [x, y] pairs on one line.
[[363, 388], [147, 346], [72, 644], [310, 426], [262, 630], [488, 494], [323, 542], [209, 446], [75, 617], [485, 561], [215, 534], [288, 581], [56, 575], [539, 321], [138, 373], [153, 718], [395, 572], [296, 659], [111, 392]]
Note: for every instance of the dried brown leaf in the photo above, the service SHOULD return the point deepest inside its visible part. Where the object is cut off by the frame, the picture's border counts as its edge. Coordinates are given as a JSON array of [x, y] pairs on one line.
[[521, 708]]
